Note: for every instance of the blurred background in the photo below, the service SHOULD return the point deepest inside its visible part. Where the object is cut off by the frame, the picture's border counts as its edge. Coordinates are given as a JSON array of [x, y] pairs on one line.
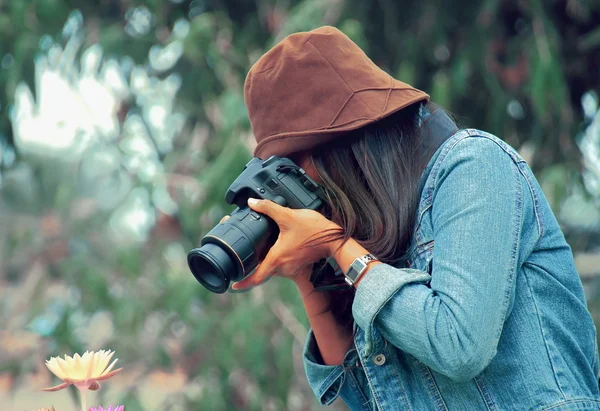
[[122, 123]]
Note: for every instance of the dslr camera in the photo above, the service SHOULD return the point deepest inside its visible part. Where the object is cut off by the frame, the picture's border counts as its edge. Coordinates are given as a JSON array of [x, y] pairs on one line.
[[232, 249]]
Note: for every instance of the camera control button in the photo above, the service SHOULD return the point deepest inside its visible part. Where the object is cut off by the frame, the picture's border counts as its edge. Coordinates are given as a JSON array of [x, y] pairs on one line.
[[272, 184], [254, 217]]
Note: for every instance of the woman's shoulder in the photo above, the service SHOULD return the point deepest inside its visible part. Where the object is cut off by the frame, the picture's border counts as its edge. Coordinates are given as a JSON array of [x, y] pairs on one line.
[[479, 143], [483, 155], [474, 146]]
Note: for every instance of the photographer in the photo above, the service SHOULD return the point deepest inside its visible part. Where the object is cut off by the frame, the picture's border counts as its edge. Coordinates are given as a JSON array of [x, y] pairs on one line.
[[463, 293]]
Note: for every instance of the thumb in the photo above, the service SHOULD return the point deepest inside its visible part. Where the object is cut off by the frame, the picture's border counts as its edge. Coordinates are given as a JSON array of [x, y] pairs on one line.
[[269, 208]]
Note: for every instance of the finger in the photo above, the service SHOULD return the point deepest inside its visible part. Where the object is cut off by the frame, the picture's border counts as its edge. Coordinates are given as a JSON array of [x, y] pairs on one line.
[[258, 277], [269, 208], [241, 286], [264, 270], [224, 219]]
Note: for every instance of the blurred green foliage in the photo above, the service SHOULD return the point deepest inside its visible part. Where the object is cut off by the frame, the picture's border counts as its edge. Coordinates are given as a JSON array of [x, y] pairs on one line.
[[516, 69]]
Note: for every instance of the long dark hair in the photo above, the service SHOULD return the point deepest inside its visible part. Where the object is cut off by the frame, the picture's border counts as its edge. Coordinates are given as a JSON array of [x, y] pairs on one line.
[[371, 178]]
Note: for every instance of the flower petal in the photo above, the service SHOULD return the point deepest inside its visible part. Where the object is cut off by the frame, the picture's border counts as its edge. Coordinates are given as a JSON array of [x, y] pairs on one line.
[[105, 359], [57, 387], [53, 366], [110, 374], [80, 366], [109, 367], [64, 366], [90, 366]]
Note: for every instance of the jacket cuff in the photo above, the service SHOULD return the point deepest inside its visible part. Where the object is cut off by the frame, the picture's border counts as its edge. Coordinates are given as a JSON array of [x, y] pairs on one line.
[[377, 286], [326, 381]]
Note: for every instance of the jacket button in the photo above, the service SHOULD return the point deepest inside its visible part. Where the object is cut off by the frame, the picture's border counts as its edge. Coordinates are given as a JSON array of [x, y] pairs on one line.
[[379, 359]]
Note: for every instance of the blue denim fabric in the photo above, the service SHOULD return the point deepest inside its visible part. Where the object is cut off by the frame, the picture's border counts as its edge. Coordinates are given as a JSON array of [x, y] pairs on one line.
[[487, 313]]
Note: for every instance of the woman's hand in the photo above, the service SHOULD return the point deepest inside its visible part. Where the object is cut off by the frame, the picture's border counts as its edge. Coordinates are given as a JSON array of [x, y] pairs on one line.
[[291, 255]]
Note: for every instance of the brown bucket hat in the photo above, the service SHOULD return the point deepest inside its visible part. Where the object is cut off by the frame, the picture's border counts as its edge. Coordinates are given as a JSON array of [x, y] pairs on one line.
[[315, 86]]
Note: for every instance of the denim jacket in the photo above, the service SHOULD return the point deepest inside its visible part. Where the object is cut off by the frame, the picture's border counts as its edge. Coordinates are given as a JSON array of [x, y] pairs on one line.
[[487, 313]]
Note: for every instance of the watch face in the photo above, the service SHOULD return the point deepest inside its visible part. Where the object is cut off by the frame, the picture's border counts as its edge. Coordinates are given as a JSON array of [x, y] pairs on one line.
[[356, 268]]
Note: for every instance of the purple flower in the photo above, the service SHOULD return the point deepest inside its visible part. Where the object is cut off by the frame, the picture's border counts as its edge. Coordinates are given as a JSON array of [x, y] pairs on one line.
[[117, 408]]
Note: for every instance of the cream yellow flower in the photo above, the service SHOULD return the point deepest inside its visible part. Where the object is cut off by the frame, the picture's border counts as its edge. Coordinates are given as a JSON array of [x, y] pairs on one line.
[[83, 371]]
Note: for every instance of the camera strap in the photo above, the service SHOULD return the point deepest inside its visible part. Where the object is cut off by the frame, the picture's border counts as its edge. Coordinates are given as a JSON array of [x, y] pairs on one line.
[[435, 128]]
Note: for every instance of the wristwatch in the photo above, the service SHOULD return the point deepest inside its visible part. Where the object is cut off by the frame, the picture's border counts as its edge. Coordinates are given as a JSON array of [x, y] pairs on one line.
[[358, 268]]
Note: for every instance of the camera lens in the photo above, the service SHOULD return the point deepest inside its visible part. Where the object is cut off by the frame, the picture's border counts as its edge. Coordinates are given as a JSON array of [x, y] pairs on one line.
[[210, 265]]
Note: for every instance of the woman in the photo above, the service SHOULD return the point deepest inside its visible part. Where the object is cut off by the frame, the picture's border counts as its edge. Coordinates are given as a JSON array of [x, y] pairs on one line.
[[464, 294]]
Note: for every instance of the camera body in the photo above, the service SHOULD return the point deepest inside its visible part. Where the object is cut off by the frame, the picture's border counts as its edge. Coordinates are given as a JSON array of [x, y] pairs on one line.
[[233, 249]]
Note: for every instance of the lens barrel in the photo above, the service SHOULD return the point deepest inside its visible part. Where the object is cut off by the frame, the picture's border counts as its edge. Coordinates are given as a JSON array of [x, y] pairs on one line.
[[210, 264], [232, 249]]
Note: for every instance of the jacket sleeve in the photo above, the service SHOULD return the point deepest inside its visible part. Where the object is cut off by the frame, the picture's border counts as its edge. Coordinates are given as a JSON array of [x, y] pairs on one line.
[[328, 382], [452, 320]]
